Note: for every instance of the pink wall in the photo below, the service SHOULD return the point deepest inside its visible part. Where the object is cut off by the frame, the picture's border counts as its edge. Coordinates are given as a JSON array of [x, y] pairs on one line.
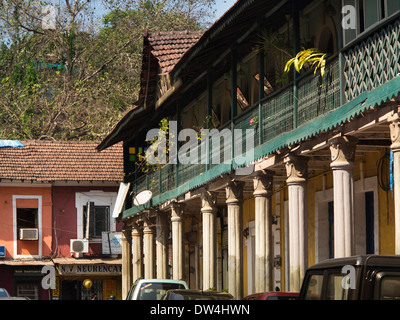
[[65, 218]]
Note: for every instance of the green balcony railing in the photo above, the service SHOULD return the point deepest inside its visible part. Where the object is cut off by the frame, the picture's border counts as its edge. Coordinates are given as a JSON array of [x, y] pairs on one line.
[[372, 60], [368, 64]]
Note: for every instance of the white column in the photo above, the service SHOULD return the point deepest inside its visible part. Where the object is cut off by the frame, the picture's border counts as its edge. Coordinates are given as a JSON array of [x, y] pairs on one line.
[[209, 212], [297, 168], [234, 199], [177, 242], [137, 253], [394, 121], [342, 156], [149, 249], [263, 232], [126, 244], [162, 245]]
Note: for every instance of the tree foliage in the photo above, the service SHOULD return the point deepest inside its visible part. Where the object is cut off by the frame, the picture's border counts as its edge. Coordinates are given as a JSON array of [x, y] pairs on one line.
[[67, 74]]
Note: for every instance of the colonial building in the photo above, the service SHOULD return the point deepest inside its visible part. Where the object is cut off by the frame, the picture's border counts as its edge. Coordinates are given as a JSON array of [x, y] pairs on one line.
[[54, 197], [321, 180]]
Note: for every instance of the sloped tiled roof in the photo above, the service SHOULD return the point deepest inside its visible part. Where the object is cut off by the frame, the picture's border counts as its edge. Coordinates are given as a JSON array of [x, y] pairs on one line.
[[41, 161], [169, 47], [161, 52]]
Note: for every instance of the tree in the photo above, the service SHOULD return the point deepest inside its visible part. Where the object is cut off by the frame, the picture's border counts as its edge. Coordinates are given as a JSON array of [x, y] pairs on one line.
[[66, 74]]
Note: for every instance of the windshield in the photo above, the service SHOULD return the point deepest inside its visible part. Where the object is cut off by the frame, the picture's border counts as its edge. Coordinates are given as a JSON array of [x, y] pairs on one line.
[[4, 293], [333, 284], [155, 291]]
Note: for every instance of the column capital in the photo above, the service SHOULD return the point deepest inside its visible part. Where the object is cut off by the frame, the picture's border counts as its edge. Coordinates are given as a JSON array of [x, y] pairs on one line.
[[126, 234], [148, 226], [234, 192], [395, 131], [343, 151], [176, 211], [296, 169], [263, 182], [136, 230], [208, 201]]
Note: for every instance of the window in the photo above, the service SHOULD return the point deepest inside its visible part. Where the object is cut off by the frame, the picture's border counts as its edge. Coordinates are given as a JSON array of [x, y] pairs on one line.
[[314, 287], [369, 12], [331, 215], [369, 223], [155, 291], [336, 289], [389, 286], [97, 288], [28, 290], [94, 214], [96, 219], [27, 218]]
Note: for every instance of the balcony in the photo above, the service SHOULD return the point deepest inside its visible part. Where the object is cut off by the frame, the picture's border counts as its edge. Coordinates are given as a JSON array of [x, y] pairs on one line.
[[363, 74]]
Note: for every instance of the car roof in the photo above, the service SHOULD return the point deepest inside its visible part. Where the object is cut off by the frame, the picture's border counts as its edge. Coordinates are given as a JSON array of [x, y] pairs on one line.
[[359, 260], [273, 293], [194, 291], [162, 281]]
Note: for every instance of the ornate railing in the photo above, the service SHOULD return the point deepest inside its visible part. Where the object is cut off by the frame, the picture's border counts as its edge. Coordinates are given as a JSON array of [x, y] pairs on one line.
[[373, 60]]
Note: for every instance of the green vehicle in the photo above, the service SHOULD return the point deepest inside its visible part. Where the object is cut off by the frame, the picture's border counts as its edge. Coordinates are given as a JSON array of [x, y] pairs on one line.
[[153, 289], [365, 277]]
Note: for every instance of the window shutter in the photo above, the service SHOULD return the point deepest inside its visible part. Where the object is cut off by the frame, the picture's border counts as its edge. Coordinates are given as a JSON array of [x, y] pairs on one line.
[[92, 220]]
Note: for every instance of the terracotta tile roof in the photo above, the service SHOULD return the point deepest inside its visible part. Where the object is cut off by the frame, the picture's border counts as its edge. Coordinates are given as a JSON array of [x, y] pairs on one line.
[[161, 50], [169, 47], [61, 161]]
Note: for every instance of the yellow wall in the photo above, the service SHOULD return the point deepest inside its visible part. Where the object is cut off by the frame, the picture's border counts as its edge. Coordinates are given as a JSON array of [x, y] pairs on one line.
[[315, 184], [248, 215]]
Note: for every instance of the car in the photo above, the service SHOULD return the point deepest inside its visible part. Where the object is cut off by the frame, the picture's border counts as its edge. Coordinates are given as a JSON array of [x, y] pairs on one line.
[[275, 295], [4, 293], [360, 277], [179, 294], [153, 289]]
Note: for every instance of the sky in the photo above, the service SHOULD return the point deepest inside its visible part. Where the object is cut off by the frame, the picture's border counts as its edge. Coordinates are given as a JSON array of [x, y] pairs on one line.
[[222, 6]]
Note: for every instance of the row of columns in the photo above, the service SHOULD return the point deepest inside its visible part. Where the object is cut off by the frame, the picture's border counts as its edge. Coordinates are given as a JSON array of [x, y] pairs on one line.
[[342, 150], [342, 163]]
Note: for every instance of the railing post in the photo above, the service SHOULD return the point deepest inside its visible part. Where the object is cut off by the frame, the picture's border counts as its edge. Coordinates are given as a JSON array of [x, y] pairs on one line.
[[210, 81], [296, 47], [178, 117], [340, 47], [261, 76], [234, 97]]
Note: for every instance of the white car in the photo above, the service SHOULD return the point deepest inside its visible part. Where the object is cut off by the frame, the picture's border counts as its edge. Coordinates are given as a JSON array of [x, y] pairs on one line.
[[4, 293], [153, 289]]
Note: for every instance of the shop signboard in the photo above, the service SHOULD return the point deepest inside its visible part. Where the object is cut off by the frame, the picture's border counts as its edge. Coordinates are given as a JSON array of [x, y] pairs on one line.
[[85, 269]]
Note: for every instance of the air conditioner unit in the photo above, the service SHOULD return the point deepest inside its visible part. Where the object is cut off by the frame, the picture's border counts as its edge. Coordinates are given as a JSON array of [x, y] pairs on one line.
[[28, 234], [79, 245]]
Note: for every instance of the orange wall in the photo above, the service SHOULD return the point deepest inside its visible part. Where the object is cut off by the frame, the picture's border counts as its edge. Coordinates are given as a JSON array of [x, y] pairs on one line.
[[6, 220]]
